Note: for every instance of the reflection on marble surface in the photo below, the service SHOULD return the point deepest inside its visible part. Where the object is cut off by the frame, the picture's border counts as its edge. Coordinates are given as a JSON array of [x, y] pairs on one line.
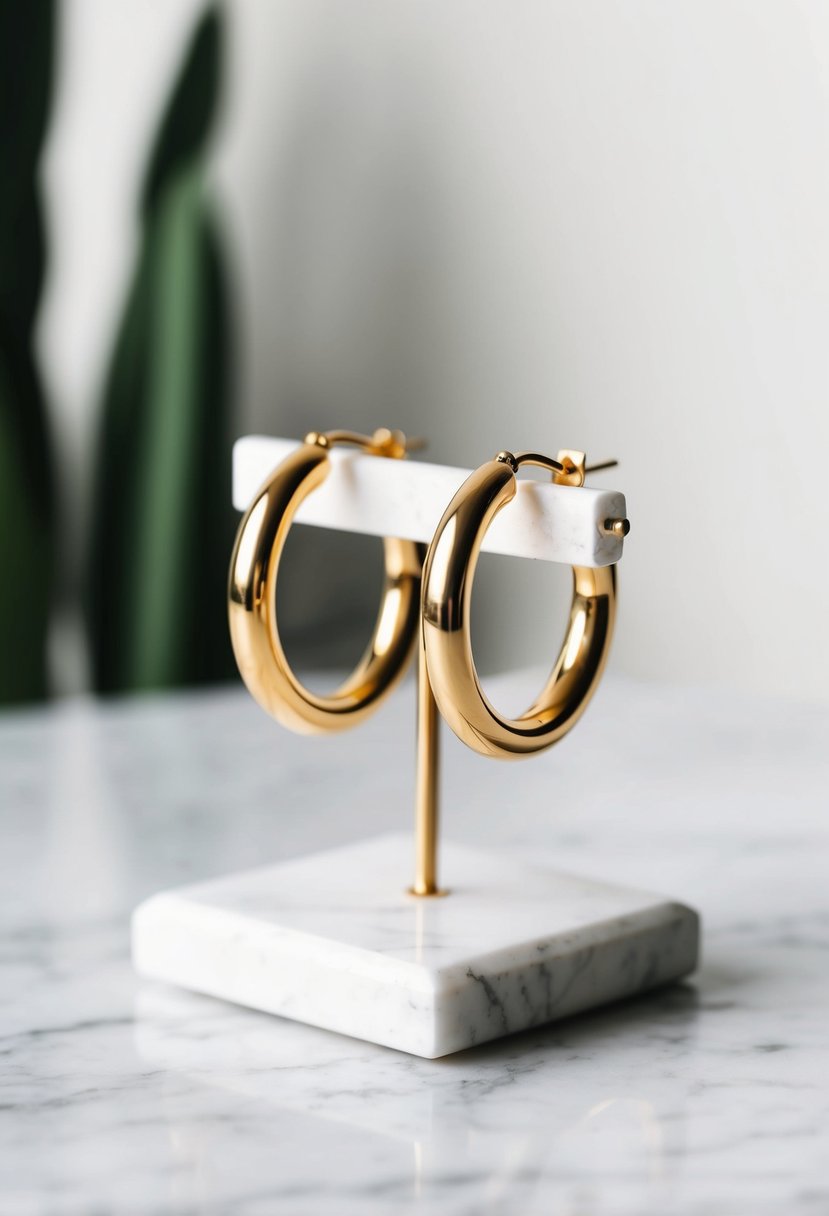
[[705, 1098]]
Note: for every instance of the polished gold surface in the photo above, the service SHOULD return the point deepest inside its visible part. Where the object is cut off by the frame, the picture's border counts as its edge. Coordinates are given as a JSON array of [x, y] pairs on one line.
[[447, 680], [426, 785], [573, 467], [616, 527], [254, 569], [447, 591]]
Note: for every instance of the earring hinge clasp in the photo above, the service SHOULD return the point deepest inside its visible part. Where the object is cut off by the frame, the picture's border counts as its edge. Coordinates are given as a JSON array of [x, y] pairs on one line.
[[383, 442], [568, 469]]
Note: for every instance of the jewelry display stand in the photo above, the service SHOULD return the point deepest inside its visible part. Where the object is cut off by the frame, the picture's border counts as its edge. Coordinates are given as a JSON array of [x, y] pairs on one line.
[[338, 939]]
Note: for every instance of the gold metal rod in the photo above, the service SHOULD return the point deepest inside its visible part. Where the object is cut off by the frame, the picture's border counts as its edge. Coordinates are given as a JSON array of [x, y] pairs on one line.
[[426, 783], [605, 464]]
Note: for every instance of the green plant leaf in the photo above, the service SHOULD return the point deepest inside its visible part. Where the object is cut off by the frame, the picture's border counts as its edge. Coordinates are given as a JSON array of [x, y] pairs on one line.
[[185, 127], [26, 494], [162, 523]]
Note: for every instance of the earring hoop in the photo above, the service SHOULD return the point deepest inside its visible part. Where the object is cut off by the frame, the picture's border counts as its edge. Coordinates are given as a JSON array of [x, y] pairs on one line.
[[448, 575], [254, 569]]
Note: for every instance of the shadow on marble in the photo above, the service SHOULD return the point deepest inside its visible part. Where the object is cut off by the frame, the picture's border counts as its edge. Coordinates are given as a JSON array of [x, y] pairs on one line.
[[676, 1001], [719, 978], [241, 1049]]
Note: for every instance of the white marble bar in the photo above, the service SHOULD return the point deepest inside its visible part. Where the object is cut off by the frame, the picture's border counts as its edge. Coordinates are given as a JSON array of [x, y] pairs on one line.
[[407, 498], [335, 940]]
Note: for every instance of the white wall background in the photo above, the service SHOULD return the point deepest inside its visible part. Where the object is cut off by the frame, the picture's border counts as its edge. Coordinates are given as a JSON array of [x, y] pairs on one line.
[[584, 224]]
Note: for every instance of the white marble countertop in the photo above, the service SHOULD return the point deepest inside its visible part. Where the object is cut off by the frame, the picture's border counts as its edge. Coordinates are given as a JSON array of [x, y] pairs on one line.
[[709, 1097]]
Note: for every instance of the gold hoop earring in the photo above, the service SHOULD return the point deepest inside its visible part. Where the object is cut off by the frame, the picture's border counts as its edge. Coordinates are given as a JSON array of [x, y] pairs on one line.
[[252, 597], [448, 575]]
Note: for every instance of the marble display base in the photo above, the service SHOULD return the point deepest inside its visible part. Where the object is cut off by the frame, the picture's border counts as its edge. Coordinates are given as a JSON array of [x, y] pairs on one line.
[[334, 940]]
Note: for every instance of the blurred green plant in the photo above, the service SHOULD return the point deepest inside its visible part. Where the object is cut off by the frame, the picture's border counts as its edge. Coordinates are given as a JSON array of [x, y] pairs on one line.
[[162, 521], [26, 492]]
